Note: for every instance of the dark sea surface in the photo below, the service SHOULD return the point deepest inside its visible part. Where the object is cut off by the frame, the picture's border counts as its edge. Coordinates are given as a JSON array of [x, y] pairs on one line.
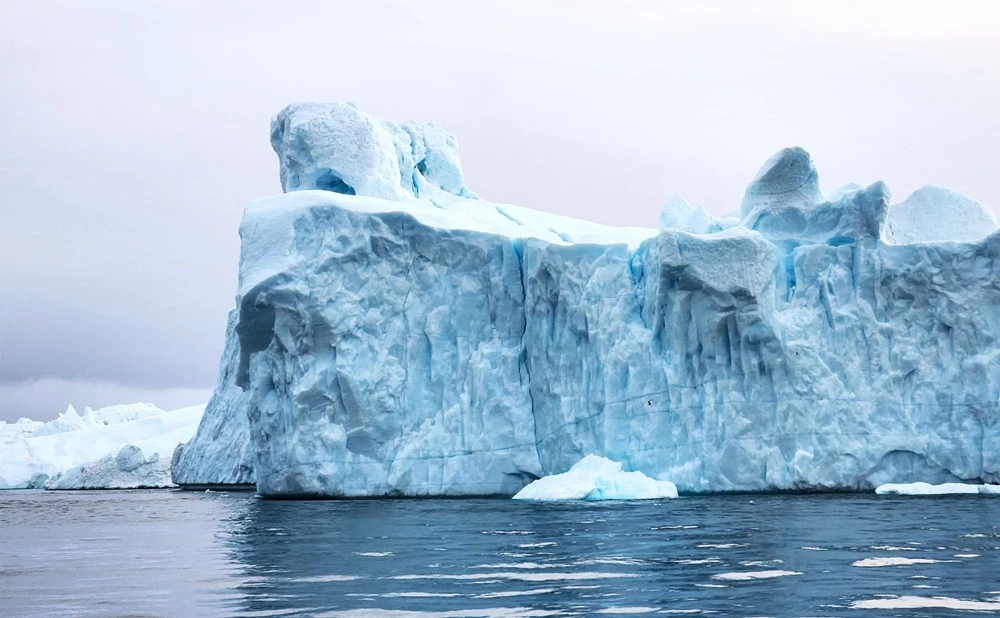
[[174, 553]]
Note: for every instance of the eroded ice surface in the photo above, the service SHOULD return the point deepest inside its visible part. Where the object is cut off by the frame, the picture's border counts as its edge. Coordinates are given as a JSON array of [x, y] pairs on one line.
[[30, 459], [220, 453], [397, 335], [936, 213], [129, 469], [597, 478], [944, 489]]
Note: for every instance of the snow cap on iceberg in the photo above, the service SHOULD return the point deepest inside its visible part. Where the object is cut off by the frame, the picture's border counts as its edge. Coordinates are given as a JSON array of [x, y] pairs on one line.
[[786, 179], [597, 478], [337, 147], [935, 214]]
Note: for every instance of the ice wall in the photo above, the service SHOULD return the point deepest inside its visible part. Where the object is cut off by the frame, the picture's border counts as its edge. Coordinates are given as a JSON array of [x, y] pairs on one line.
[[413, 339], [221, 452]]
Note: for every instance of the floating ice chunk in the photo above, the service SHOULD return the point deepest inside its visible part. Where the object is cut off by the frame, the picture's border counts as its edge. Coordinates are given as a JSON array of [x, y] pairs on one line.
[[128, 470], [917, 602], [893, 561], [926, 489], [934, 214], [742, 576], [597, 478], [786, 179]]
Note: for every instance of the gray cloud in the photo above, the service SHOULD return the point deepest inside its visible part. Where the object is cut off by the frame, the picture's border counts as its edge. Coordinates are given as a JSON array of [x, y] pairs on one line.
[[135, 132]]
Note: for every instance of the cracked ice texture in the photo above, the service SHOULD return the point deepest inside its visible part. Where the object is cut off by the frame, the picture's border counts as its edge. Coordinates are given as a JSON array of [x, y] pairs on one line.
[[399, 336]]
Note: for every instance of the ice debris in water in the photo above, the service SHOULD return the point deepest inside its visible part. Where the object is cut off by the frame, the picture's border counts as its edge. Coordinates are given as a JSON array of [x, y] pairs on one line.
[[396, 335], [943, 489], [935, 214], [597, 478]]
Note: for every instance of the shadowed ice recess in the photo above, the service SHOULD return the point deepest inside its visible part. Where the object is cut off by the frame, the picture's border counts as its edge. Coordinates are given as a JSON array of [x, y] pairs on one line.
[[394, 334]]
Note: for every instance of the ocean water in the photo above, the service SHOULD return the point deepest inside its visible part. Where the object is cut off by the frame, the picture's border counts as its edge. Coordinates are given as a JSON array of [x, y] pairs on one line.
[[174, 553]]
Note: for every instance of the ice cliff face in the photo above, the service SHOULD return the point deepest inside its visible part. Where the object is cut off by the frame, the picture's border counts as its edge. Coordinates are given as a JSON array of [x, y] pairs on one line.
[[221, 452], [399, 336]]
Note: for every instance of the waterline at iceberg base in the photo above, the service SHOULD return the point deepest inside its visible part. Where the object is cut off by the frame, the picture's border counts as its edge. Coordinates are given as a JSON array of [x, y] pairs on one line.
[[397, 335]]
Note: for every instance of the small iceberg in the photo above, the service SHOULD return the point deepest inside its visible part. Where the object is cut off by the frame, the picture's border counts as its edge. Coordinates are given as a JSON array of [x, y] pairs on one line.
[[926, 489], [130, 469], [597, 478]]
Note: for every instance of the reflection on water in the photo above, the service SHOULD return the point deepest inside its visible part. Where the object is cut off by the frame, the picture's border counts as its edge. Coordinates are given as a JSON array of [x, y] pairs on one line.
[[175, 553]]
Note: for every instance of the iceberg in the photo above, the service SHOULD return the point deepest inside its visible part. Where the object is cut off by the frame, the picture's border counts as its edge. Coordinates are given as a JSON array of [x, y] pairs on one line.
[[397, 335], [597, 478], [944, 489], [129, 469], [80, 452]]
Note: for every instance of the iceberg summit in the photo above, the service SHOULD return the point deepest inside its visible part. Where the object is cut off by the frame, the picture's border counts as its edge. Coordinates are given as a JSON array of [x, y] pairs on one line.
[[396, 335]]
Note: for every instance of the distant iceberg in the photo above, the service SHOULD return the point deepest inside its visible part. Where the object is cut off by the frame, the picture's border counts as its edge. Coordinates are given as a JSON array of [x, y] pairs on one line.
[[597, 478], [104, 448], [943, 489], [396, 335], [129, 469]]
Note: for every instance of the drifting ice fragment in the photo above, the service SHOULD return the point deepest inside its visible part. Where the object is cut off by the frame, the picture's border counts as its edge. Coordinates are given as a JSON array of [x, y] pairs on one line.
[[597, 478], [944, 489]]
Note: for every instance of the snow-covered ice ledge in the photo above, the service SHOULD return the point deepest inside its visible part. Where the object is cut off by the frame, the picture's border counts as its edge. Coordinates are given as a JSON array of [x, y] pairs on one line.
[[397, 335]]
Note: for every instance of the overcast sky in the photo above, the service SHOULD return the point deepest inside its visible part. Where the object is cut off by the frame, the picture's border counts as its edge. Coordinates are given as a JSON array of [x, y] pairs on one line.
[[134, 133]]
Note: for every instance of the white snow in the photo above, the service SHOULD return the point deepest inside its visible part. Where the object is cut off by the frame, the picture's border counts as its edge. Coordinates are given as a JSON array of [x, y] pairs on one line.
[[597, 478], [29, 460], [943, 489]]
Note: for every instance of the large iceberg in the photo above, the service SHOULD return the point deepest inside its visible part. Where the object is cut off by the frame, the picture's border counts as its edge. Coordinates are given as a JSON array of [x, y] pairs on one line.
[[102, 449], [397, 335]]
